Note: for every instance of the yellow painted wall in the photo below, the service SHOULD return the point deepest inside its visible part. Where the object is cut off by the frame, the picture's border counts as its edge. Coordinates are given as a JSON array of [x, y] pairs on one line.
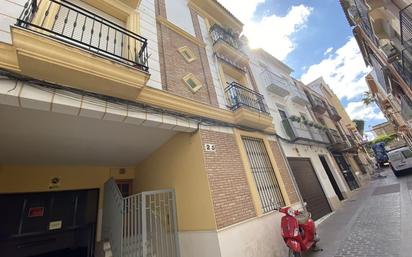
[[328, 122], [16, 179], [335, 102], [179, 165]]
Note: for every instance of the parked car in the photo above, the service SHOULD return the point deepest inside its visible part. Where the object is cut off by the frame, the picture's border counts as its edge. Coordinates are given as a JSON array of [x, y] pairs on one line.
[[400, 160]]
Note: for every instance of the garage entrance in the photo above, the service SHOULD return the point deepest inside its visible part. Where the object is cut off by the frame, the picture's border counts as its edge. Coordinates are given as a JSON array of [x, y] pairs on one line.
[[346, 171], [331, 178], [48, 224], [310, 187]]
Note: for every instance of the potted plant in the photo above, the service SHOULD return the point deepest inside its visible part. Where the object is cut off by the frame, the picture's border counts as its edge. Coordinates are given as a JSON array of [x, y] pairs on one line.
[[295, 118], [318, 126]]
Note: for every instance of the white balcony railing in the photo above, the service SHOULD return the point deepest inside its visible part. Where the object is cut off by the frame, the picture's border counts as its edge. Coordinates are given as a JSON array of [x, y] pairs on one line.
[[275, 83]]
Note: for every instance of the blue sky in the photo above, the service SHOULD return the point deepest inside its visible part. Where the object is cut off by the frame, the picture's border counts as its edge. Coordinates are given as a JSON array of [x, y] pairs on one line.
[[314, 38]]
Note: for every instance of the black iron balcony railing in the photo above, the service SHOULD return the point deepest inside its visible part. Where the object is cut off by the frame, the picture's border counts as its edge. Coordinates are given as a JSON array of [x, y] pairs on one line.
[[239, 96], [351, 141], [406, 108], [334, 137], [79, 27], [363, 14], [333, 113], [404, 65], [317, 103], [405, 18], [218, 33]]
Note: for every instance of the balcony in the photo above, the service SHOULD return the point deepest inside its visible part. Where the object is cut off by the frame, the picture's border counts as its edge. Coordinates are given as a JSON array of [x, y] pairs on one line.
[[351, 145], [226, 45], [333, 113], [299, 97], [351, 140], [405, 18], [361, 11], [275, 84], [406, 108], [337, 142], [249, 106], [404, 65], [61, 42], [300, 132], [317, 103]]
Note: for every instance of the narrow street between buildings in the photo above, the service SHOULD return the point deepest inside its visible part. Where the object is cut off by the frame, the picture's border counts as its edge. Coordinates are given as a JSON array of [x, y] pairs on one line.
[[374, 222]]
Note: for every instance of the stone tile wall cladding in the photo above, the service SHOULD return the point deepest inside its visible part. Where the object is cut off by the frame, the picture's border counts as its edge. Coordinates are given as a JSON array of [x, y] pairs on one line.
[[283, 170], [232, 200], [174, 67]]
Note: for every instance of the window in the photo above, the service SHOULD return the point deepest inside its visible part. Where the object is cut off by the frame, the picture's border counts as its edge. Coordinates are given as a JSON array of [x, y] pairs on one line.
[[407, 154], [125, 187], [283, 114], [192, 82], [187, 53], [263, 174]]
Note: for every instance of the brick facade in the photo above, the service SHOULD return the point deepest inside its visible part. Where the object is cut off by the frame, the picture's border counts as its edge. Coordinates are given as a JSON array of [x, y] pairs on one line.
[[283, 170], [174, 67], [232, 200]]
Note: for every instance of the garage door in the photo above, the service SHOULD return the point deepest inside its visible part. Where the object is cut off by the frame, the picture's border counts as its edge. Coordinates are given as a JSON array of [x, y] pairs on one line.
[[310, 187], [59, 224]]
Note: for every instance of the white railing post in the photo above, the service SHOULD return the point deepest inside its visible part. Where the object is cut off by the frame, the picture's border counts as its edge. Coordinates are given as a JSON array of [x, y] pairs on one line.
[[112, 227], [140, 225], [144, 225]]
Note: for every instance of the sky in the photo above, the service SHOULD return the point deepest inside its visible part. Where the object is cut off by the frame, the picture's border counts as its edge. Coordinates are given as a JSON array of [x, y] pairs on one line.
[[315, 39]]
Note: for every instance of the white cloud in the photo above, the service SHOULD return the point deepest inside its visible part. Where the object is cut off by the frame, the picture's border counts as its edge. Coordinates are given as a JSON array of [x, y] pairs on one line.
[[358, 110], [243, 10], [272, 33], [343, 69], [328, 51]]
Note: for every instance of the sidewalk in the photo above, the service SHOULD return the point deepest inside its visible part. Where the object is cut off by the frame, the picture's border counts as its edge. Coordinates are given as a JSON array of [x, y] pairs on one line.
[[369, 224]]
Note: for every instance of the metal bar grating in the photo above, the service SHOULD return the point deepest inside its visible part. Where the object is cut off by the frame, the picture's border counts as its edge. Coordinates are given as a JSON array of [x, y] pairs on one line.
[[140, 225], [363, 12], [74, 25], [405, 17], [240, 96], [263, 174]]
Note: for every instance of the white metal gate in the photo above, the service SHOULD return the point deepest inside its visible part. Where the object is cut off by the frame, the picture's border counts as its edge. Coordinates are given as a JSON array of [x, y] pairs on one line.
[[140, 225]]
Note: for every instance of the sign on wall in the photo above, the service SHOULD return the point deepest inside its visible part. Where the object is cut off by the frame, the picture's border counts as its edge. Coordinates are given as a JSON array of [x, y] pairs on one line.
[[210, 147]]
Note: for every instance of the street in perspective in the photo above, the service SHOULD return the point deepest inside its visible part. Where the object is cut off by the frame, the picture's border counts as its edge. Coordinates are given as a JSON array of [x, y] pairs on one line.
[[205, 128], [375, 222]]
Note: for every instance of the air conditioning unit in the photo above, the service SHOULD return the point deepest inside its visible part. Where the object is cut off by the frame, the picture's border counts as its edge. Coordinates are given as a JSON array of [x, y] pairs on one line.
[[390, 51]]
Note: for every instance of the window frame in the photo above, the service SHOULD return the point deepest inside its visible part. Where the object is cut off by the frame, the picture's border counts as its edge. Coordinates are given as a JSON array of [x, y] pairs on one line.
[[185, 49], [260, 181], [197, 82]]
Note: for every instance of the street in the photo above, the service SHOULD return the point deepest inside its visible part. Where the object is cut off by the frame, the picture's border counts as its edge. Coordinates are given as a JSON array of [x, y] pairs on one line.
[[374, 222]]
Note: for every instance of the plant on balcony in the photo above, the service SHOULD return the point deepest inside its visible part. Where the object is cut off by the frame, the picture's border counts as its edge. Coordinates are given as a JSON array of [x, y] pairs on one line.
[[295, 118], [318, 126], [311, 124]]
